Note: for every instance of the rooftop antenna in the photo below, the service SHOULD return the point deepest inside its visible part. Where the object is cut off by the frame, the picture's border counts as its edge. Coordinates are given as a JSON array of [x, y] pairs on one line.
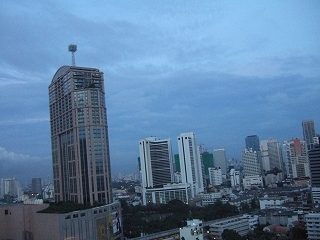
[[72, 49]]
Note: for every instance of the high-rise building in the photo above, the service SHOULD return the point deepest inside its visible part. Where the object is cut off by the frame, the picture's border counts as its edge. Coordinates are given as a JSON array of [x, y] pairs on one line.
[[10, 187], [220, 160], [296, 158], [234, 177], [207, 159], [156, 162], [36, 185], [251, 164], [79, 136], [176, 163], [314, 160], [215, 176], [190, 162], [272, 161], [308, 133], [253, 142]]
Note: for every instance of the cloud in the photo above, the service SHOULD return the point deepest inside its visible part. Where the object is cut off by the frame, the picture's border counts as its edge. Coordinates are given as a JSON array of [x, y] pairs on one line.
[[24, 167]]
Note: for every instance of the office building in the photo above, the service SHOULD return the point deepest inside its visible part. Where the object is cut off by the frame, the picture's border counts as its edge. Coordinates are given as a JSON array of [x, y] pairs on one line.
[[79, 136], [156, 162], [220, 160], [272, 161], [253, 142], [36, 186], [296, 158], [10, 189], [314, 160], [251, 164], [234, 178], [207, 159], [190, 163], [215, 176], [308, 133]]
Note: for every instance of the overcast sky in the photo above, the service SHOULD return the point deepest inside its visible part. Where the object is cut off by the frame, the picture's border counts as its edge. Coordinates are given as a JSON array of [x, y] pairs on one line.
[[221, 69]]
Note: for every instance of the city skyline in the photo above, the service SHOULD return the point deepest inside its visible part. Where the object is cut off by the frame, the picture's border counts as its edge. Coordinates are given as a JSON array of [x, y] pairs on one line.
[[221, 70]]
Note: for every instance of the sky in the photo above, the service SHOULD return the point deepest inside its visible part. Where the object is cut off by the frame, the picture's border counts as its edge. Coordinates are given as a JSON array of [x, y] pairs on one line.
[[221, 69]]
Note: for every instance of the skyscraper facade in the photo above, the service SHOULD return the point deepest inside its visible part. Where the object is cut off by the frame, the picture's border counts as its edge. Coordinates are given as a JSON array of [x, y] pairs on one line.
[[190, 162], [251, 164], [272, 161], [314, 159], [253, 142], [220, 160], [36, 185], [79, 136], [296, 158], [308, 133], [207, 159], [156, 162], [215, 176]]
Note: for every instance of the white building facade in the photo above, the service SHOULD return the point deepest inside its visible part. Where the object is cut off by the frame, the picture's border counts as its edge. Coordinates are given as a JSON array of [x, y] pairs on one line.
[[10, 187], [313, 223], [251, 164], [296, 159], [190, 163], [238, 224], [156, 162], [272, 161], [215, 176]]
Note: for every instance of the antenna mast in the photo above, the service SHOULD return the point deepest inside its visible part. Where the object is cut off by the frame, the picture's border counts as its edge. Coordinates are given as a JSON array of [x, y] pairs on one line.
[[73, 48]]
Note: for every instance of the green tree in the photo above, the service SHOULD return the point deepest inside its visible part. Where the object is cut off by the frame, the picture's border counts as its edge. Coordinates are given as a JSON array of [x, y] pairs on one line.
[[297, 233], [229, 234], [254, 203]]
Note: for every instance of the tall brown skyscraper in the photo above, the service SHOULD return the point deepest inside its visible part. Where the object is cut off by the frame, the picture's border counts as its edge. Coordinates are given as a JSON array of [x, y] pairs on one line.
[[79, 136]]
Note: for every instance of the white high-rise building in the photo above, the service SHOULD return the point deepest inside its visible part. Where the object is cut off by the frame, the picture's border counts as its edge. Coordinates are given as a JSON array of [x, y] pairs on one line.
[[156, 162], [272, 161], [220, 160], [10, 187], [215, 176], [296, 158], [251, 164], [235, 177], [190, 162]]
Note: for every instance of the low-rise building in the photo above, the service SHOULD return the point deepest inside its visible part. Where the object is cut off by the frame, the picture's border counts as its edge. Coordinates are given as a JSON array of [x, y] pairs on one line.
[[26, 221], [272, 202], [210, 198], [240, 224], [166, 193], [240, 201], [278, 217], [252, 181]]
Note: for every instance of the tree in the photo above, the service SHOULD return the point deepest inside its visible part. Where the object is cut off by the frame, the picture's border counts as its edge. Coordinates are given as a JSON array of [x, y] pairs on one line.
[[254, 203], [229, 234]]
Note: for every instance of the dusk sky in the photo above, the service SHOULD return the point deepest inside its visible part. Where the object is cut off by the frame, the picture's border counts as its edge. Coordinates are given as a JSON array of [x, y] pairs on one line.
[[221, 69]]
